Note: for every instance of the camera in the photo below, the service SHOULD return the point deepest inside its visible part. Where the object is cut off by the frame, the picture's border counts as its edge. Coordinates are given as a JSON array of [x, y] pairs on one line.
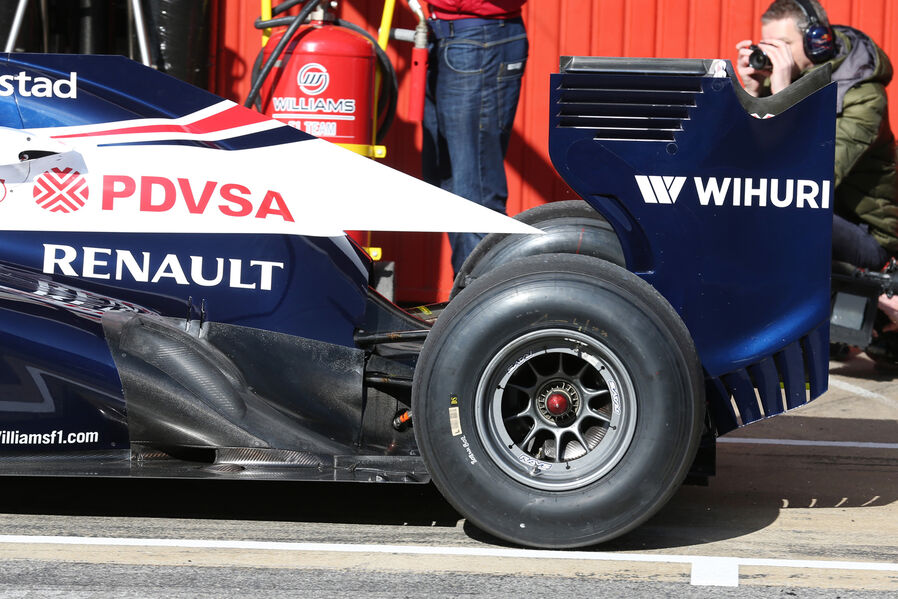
[[758, 59]]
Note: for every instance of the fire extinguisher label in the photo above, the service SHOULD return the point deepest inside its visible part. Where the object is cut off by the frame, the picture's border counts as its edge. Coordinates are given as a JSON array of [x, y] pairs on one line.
[[307, 113], [319, 105], [312, 79], [325, 87], [316, 128]]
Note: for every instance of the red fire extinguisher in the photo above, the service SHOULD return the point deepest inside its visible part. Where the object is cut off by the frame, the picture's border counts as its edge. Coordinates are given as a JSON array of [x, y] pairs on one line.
[[326, 84], [332, 79], [321, 79]]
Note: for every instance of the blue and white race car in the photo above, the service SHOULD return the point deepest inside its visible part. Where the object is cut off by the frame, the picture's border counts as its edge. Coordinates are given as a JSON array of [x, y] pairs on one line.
[[178, 297]]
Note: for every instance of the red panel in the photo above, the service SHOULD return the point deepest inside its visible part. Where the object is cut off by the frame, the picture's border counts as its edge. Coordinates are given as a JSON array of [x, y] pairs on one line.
[[236, 45], [670, 28], [673, 20], [640, 21], [840, 11], [422, 259], [609, 17]]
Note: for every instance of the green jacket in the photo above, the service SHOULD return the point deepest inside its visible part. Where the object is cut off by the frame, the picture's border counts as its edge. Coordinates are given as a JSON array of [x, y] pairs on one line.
[[865, 147]]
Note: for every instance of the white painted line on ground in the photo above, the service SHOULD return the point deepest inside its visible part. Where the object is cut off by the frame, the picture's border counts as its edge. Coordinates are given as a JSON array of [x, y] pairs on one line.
[[856, 390], [702, 566], [715, 572], [801, 442]]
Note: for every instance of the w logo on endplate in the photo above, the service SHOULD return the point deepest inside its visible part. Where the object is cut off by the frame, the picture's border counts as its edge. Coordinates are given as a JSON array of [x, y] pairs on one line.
[[60, 190], [660, 190]]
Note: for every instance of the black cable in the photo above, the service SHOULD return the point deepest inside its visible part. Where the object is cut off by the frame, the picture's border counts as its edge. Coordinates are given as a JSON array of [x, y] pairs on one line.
[[390, 82], [286, 5], [276, 10], [278, 22], [254, 73], [278, 50]]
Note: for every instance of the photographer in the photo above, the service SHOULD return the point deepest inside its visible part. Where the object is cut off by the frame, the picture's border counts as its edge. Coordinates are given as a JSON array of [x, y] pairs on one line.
[[796, 37]]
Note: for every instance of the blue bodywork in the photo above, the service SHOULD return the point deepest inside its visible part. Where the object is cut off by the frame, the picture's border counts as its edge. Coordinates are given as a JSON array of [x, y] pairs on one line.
[[749, 278], [657, 147], [56, 368]]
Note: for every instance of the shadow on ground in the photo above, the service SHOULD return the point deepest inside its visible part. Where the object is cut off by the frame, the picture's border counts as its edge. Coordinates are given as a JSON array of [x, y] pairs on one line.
[[860, 366], [755, 482], [351, 503]]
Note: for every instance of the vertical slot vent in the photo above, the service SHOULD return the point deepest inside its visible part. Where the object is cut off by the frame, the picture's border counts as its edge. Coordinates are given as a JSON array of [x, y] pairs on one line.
[[789, 379]]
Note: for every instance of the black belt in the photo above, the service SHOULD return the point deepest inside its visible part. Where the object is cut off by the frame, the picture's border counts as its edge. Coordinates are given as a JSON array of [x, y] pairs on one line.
[[446, 28]]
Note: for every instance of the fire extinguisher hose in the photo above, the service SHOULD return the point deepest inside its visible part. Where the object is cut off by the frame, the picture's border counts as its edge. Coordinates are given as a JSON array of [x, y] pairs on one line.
[[284, 6], [391, 84], [295, 23]]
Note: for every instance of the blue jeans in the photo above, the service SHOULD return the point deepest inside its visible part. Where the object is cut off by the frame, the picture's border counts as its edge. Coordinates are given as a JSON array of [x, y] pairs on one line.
[[473, 86]]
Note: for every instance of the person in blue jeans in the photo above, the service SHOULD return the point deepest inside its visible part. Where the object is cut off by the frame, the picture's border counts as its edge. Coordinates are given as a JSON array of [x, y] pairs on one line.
[[478, 54]]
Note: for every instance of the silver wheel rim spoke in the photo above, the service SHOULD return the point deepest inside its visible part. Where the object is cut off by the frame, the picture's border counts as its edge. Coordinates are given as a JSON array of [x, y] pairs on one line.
[[556, 409]]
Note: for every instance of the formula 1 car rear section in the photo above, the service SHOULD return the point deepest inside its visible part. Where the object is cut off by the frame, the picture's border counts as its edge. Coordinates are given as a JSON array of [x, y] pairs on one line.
[[170, 306]]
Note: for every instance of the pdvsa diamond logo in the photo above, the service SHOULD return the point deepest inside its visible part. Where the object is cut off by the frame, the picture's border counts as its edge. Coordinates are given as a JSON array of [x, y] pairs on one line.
[[60, 190]]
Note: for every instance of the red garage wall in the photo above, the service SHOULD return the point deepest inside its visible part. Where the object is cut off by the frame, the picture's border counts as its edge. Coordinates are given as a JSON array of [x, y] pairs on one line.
[[664, 28]]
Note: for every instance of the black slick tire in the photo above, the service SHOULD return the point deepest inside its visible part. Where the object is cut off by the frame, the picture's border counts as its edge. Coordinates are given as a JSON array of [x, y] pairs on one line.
[[558, 401], [571, 226]]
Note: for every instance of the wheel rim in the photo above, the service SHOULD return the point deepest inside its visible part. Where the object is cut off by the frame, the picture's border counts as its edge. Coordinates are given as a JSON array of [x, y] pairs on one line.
[[555, 409]]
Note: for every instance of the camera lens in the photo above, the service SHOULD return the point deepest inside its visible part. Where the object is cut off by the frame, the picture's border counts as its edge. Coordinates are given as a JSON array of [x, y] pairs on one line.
[[758, 60]]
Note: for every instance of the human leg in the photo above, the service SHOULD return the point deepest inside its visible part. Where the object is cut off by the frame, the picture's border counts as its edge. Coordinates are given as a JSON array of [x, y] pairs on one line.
[[854, 245], [473, 93]]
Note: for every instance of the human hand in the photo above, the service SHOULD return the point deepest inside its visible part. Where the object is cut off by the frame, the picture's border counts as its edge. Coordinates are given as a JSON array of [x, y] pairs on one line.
[[752, 79], [784, 69], [889, 306]]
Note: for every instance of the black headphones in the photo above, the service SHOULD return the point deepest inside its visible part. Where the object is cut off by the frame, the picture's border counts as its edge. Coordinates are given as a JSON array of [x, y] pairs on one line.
[[819, 40]]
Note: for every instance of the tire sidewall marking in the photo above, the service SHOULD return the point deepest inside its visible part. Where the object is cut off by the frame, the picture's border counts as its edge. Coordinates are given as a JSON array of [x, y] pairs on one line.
[[480, 324]]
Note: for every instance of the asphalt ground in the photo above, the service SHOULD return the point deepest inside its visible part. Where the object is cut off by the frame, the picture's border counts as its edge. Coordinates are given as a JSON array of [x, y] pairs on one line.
[[803, 505]]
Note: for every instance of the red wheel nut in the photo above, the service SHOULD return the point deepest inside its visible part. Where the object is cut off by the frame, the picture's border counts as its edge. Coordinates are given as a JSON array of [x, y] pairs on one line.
[[557, 404]]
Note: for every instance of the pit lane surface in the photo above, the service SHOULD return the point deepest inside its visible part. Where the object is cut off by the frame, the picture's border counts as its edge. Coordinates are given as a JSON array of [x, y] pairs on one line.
[[803, 505]]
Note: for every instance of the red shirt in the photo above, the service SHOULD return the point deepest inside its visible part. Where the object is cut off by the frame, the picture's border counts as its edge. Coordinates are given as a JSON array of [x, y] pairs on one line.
[[490, 9]]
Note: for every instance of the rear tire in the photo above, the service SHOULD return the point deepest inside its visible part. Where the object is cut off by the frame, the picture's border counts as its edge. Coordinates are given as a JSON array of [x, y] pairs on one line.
[[558, 401], [571, 226]]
